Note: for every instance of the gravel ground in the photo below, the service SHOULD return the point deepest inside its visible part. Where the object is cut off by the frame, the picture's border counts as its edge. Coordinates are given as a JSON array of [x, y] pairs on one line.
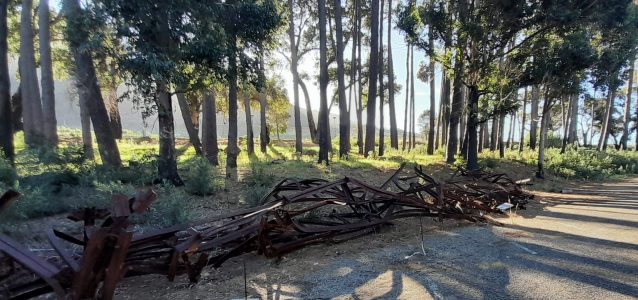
[[582, 245]]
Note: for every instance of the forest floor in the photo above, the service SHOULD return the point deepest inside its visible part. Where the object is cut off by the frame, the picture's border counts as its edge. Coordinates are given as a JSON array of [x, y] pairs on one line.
[[581, 245]]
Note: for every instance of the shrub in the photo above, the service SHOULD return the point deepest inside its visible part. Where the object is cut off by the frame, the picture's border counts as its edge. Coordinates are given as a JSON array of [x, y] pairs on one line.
[[172, 207], [259, 184], [8, 175], [202, 178]]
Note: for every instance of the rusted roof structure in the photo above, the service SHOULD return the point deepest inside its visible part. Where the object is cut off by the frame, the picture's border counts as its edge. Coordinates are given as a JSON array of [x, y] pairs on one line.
[[295, 214]]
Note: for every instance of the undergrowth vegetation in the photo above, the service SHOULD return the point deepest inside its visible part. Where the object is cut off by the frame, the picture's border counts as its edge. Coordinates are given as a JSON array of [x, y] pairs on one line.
[[55, 182]]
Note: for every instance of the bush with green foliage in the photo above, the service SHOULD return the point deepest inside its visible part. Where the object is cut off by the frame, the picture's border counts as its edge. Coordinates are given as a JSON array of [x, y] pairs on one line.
[[259, 183], [8, 175], [201, 177]]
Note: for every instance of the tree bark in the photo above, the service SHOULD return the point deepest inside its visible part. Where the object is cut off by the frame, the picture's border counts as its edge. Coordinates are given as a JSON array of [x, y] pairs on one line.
[[567, 125], [394, 132], [359, 85], [372, 81], [521, 145], [406, 129], [501, 132], [250, 140], [573, 122], [88, 84], [209, 127], [445, 99], [604, 134], [472, 124], [540, 172], [16, 110], [412, 99], [627, 113], [324, 135], [232, 150], [31, 105], [85, 121], [167, 159], [344, 116], [6, 131], [381, 70], [49, 121], [534, 117], [193, 134], [495, 130], [311, 120], [112, 105], [295, 78], [481, 136], [456, 112]]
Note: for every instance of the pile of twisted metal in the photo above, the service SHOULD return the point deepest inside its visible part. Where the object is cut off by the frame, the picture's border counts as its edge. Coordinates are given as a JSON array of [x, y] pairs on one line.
[[295, 214]]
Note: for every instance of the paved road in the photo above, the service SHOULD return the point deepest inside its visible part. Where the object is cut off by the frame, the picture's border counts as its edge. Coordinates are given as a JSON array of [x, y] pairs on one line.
[[582, 245]]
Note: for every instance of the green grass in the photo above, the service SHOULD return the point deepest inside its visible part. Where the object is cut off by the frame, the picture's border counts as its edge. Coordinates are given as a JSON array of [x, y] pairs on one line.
[[54, 182]]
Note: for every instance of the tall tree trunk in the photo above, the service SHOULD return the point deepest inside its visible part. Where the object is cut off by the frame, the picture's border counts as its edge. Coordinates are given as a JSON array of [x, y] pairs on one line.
[[6, 131], [495, 130], [486, 135], [438, 123], [567, 123], [510, 138], [609, 109], [481, 136], [87, 82], [372, 81], [394, 133], [445, 112], [572, 138], [49, 122], [381, 69], [457, 110], [232, 150], [324, 134], [472, 124], [16, 110], [412, 98], [359, 85], [540, 172], [521, 144], [352, 92], [431, 133], [112, 105], [85, 121], [627, 113], [344, 115], [193, 134], [501, 132], [295, 78], [167, 159], [250, 140], [311, 120], [406, 129], [264, 138], [534, 117], [32, 107], [209, 127]]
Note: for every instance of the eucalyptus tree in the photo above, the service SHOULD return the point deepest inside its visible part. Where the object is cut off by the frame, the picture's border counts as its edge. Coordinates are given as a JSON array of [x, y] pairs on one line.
[[49, 121], [6, 131], [324, 135], [78, 36], [372, 81], [30, 90], [394, 135], [344, 115], [492, 30], [627, 108]]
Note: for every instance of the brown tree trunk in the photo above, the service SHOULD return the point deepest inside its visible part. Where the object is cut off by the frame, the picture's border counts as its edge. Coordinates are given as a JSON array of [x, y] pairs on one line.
[[85, 121], [324, 134], [311, 120], [16, 110], [232, 150], [445, 99], [406, 129], [6, 131], [87, 82], [481, 136], [167, 159], [344, 116], [49, 122], [112, 105], [295, 79], [627, 113], [495, 130], [250, 136], [472, 124], [31, 105], [209, 127], [381, 71], [501, 132], [534, 117], [521, 144], [372, 81], [456, 112], [359, 85], [193, 134], [540, 172], [604, 134], [412, 98], [394, 132]]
